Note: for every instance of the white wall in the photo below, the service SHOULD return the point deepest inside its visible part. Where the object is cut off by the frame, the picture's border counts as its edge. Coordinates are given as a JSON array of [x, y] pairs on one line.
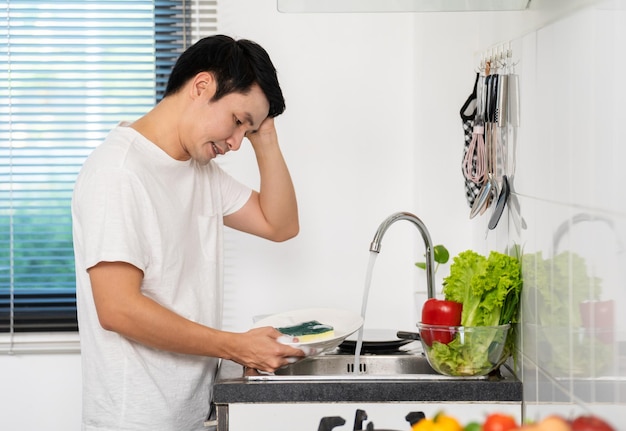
[[348, 137], [569, 165], [571, 57], [40, 391], [569, 149]]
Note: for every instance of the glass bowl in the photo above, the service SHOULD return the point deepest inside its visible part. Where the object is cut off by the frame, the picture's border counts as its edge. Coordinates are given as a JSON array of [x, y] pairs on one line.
[[463, 350]]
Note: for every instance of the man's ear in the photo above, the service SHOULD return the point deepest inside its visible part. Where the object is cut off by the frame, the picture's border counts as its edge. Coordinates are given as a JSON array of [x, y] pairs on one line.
[[203, 82]]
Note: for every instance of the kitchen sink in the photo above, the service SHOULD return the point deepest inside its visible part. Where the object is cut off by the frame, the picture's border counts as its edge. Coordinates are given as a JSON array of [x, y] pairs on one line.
[[371, 367]]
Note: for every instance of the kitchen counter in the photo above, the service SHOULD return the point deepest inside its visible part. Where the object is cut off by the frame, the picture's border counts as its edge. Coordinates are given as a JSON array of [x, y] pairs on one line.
[[232, 387]]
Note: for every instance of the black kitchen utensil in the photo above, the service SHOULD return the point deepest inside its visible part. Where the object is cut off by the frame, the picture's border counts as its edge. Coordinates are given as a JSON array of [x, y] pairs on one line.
[[408, 335], [373, 347], [415, 417], [502, 198], [375, 341], [330, 422]]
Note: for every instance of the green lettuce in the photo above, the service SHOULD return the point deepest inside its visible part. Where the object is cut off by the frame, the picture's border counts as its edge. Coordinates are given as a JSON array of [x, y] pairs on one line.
[[556, 287], [488, 287]]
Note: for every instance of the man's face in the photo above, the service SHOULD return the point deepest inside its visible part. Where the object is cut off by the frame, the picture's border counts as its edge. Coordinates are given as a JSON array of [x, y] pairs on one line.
[[216, 127]]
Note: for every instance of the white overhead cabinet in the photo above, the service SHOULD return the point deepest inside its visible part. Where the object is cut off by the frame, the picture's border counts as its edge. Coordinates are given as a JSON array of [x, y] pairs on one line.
[[303, 6]]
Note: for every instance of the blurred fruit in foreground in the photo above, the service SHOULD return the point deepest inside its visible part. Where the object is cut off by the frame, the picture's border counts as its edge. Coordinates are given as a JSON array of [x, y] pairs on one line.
[[473, 426], [440, 422], [558, 423], [499, 422], [554, 423], [590, 423]]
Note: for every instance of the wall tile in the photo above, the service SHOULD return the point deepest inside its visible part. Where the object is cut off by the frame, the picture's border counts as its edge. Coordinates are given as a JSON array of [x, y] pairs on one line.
[[568, 185]]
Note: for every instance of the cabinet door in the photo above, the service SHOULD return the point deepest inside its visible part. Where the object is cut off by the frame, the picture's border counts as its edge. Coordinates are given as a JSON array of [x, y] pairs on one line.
[[307, 416]]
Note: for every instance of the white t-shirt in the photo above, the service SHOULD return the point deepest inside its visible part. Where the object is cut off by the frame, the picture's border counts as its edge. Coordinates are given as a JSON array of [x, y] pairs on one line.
[[134, 203]]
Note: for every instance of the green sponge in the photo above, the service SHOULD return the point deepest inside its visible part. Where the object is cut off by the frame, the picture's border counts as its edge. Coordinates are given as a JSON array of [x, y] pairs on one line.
[[308, 331]]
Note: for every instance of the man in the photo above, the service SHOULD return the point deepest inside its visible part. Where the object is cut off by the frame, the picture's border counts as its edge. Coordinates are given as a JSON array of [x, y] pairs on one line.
[[149, 208]]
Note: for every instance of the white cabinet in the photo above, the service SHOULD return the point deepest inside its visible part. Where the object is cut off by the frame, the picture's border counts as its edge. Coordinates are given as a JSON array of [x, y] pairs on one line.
[[307, 6], [389, 416]]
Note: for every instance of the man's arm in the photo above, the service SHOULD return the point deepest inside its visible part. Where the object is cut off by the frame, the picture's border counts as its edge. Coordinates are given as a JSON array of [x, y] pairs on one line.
[[271, 213], [122, 308]]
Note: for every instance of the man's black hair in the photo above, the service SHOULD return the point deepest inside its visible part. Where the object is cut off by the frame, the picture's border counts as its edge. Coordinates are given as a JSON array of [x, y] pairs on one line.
[[236, 66]]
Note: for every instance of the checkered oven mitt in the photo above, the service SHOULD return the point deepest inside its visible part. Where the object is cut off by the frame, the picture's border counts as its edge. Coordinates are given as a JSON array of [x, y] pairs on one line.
[[468, 113]]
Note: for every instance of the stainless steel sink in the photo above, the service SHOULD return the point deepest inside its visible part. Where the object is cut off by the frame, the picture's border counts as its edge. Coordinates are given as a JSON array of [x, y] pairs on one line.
[[371, 367]]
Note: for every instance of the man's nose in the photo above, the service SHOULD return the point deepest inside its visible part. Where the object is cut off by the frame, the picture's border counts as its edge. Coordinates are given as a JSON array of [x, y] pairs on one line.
[[234, 142]]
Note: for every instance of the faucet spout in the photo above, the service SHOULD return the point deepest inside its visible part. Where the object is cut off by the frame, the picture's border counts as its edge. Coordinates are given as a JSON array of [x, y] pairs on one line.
[[430, 258]]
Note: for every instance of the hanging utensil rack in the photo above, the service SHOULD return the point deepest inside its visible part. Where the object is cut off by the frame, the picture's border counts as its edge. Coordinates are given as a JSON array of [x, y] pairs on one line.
[[487, 162]]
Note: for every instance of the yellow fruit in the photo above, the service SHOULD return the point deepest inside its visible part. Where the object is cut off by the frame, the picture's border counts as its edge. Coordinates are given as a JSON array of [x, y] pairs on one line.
[[440, 422], [447, 423], [424, 425]]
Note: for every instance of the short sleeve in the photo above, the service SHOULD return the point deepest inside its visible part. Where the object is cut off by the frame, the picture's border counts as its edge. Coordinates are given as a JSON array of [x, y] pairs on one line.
[[234, 193], [113, 215]]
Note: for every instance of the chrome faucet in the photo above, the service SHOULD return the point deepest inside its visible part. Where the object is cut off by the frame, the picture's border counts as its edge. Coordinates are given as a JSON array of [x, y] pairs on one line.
[[430, 257], [566, 226]]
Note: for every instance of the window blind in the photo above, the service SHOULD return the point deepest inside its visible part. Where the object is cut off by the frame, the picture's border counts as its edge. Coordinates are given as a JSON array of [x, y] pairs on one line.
[[178, 24], [69, 71]]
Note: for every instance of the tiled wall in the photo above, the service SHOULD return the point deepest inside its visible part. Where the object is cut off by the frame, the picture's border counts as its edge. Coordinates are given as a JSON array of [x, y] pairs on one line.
[[569, 181]]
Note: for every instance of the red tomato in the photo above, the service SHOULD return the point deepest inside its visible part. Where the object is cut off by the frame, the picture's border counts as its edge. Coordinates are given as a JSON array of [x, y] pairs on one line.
[[440, 312], [499, 422], [590, 423]]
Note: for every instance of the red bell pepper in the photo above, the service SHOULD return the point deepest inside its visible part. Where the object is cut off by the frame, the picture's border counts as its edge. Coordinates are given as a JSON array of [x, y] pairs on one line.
[[440, 312]]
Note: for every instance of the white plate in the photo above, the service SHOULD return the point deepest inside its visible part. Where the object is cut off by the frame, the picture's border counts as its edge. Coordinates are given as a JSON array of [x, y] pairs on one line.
[[344, 323]]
